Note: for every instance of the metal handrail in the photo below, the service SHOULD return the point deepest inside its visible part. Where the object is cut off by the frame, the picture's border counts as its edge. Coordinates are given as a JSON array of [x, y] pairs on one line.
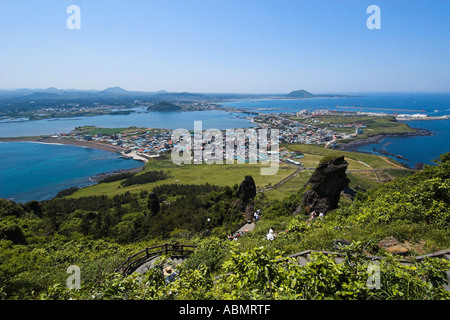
[[131, 263]]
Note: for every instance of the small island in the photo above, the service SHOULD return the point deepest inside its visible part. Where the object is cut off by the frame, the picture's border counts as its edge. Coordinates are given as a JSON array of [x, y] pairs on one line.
[[164, 106]]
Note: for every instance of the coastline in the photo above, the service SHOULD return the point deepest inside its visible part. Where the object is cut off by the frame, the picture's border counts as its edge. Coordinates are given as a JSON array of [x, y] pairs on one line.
[[98, 177], [86, 144], [73, 142], [352, 145]]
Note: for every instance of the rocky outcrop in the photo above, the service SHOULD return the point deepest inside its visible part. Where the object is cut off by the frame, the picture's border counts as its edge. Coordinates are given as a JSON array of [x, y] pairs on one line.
[[247, 189], [326, 185], [246, 193], [392, 245], [352, 145]]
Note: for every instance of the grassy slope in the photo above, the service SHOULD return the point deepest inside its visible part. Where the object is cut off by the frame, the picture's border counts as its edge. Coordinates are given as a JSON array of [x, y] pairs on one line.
[[374, 125], [360, 169]]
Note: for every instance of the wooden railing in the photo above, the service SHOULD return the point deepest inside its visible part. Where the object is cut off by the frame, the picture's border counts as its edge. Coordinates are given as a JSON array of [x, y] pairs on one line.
[[134, 261]]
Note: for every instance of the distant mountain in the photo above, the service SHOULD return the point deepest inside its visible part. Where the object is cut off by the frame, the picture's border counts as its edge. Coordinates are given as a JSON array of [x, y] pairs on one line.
[[16, 92], [51, 90], [300, 94], [11, 99], [114, 91], [39, 95]]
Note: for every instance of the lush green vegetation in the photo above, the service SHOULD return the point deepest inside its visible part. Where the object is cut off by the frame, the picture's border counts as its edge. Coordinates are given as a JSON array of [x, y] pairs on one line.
[[164, 106], [117, 177], [143, 178], [39, 240], [91, 130], [67, 192]]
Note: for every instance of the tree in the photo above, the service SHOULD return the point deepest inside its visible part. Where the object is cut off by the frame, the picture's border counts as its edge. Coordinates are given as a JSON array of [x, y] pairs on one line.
[[153, 203]]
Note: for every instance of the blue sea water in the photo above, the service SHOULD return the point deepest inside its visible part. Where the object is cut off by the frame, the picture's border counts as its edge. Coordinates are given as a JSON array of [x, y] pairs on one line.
[[34, 171], [417, 149], [433, 104], [167, 120], [37, 171]]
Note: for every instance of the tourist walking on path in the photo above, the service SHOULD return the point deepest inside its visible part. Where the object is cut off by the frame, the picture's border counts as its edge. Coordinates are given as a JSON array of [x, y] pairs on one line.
[[256, 216]]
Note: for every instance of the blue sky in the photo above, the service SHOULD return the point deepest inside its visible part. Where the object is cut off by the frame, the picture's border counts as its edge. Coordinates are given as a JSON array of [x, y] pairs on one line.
[[245, 46]]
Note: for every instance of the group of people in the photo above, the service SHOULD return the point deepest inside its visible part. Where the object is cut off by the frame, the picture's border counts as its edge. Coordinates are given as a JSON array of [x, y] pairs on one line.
[[314, 215], [235, 236]]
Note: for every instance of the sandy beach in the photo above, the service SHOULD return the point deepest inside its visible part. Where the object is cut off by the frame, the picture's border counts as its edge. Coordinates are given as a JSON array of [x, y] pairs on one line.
[[82, 143], [67, 141]]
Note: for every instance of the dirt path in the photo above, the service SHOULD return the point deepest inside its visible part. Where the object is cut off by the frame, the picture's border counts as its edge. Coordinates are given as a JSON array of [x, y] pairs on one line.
[[394, 164], [280, 183]]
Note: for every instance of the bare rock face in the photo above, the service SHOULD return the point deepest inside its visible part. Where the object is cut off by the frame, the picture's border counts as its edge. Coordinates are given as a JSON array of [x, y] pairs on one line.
[[249, 210], [326, 184], [247, 189], [246, 193]]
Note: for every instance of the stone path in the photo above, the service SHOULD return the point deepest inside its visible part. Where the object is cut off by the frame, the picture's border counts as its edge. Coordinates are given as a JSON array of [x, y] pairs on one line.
[[152, 263], [247, 227]]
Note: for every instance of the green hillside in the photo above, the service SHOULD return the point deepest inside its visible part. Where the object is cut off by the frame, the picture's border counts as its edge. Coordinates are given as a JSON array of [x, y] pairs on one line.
[[39, 240]]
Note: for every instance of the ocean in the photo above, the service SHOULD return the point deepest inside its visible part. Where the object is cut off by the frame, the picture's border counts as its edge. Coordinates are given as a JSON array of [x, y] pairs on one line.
[[167, 120], [38, 171], [435, 104], [34, 171], [417, 149]]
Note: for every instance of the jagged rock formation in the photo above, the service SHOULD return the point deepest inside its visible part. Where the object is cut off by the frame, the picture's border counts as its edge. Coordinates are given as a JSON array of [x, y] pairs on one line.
[[247, 189], [326, 184], [246, 193]]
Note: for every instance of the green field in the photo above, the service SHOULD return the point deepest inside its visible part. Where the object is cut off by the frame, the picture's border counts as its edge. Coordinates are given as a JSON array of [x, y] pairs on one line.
[[374, 125], [217, 174], [92, 130], [374, 161], [360, 171]]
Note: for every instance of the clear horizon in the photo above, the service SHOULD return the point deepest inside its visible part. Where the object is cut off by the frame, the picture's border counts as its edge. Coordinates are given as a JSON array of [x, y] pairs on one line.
[[243, 93], [232, 46]]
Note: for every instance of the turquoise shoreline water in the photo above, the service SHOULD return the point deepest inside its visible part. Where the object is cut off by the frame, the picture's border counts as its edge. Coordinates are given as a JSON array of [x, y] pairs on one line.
[[37, 171]]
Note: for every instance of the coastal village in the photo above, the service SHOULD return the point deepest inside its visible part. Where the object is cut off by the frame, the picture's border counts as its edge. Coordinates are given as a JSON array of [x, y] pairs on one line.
[[318, 126], [301, 127]]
